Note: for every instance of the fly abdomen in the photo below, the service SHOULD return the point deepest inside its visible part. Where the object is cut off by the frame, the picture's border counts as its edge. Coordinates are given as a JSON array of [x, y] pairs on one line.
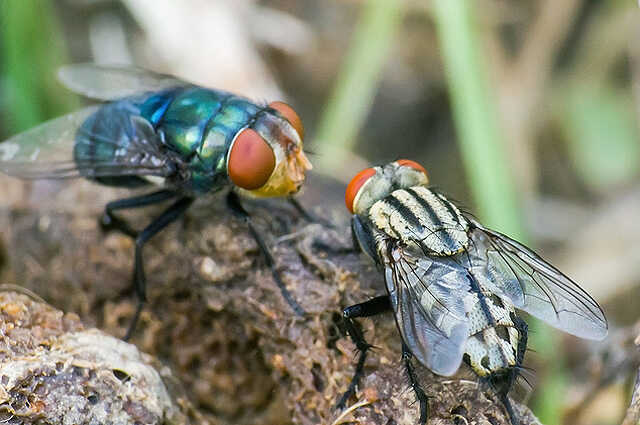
[[494, 339], [492, 350], [416, 215], [104, 137]]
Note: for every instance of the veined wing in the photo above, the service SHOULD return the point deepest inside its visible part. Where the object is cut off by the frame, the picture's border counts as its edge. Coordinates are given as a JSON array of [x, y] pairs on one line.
[[428, 298], [47, 151], [535, 286], [113, 82]]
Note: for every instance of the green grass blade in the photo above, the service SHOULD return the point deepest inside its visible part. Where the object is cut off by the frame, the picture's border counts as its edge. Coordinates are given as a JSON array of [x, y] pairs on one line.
[[32, 50], [357, 82], [476, 119], [486, 162]]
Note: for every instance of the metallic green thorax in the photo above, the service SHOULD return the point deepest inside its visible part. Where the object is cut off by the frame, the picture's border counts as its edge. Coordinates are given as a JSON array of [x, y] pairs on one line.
[[199, 125]]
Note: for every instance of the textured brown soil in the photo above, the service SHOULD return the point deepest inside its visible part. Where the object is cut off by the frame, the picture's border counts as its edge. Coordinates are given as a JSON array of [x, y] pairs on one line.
[[215, 317]]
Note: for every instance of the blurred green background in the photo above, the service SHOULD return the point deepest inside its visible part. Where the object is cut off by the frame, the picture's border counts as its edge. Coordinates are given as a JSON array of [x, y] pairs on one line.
[[526, 112]]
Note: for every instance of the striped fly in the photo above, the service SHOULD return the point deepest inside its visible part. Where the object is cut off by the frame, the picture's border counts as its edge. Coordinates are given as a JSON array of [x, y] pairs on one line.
[[158, 130], [454, 285]]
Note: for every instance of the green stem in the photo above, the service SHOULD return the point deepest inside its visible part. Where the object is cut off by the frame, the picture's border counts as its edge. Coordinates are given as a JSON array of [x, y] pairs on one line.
[[476, 119], [357, 82], [32, 50], [486, 162]]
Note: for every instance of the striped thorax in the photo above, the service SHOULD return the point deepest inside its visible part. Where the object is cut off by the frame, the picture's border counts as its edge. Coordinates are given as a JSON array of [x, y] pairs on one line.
[[395, 199], [417, 215]]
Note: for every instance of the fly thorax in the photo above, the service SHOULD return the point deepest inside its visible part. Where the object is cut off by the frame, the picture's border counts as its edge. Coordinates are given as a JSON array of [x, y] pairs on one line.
[[419, 216]]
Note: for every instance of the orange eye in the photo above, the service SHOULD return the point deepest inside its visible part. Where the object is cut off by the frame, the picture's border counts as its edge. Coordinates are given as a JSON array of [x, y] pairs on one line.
[[412, 164], [291, 116], [251, 160], [354, 186]]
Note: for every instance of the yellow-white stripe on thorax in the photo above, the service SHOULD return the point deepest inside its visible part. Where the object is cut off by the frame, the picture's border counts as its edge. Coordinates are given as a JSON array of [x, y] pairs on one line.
[[417, 215]]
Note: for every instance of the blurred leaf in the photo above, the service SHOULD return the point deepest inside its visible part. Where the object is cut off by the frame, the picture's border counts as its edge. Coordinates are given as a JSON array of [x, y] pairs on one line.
[[32, 50], [357, 82], [549, 398], [476, 120], [486, 159], [602, 131]]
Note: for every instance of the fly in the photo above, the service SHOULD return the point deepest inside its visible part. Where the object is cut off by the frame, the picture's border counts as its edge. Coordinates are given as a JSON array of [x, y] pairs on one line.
[[454, 285], [156, 129]]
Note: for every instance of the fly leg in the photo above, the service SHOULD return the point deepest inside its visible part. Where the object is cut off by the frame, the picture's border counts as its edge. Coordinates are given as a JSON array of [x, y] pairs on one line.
[[234, 204], [311, 218], [170, 215], [413, 381], [361, 239], [369, 308], [302, 210], [507, 405], [110, 221]]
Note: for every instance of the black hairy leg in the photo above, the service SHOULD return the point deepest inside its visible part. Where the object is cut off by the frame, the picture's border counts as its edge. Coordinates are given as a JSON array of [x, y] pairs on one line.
[[109, 221], [369, 308], [421, 397], [306, 215], [233, 201], [170, 215]]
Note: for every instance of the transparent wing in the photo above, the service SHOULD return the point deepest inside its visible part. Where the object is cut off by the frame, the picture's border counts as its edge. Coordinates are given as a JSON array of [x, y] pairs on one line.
[[107, 143], [428, 297], [113, 82], [511, 269]]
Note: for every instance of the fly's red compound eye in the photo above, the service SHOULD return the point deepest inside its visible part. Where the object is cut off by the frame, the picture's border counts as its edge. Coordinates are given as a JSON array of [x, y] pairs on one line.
[[355, 185], [291, 116], [411, 164], [251, 160]]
